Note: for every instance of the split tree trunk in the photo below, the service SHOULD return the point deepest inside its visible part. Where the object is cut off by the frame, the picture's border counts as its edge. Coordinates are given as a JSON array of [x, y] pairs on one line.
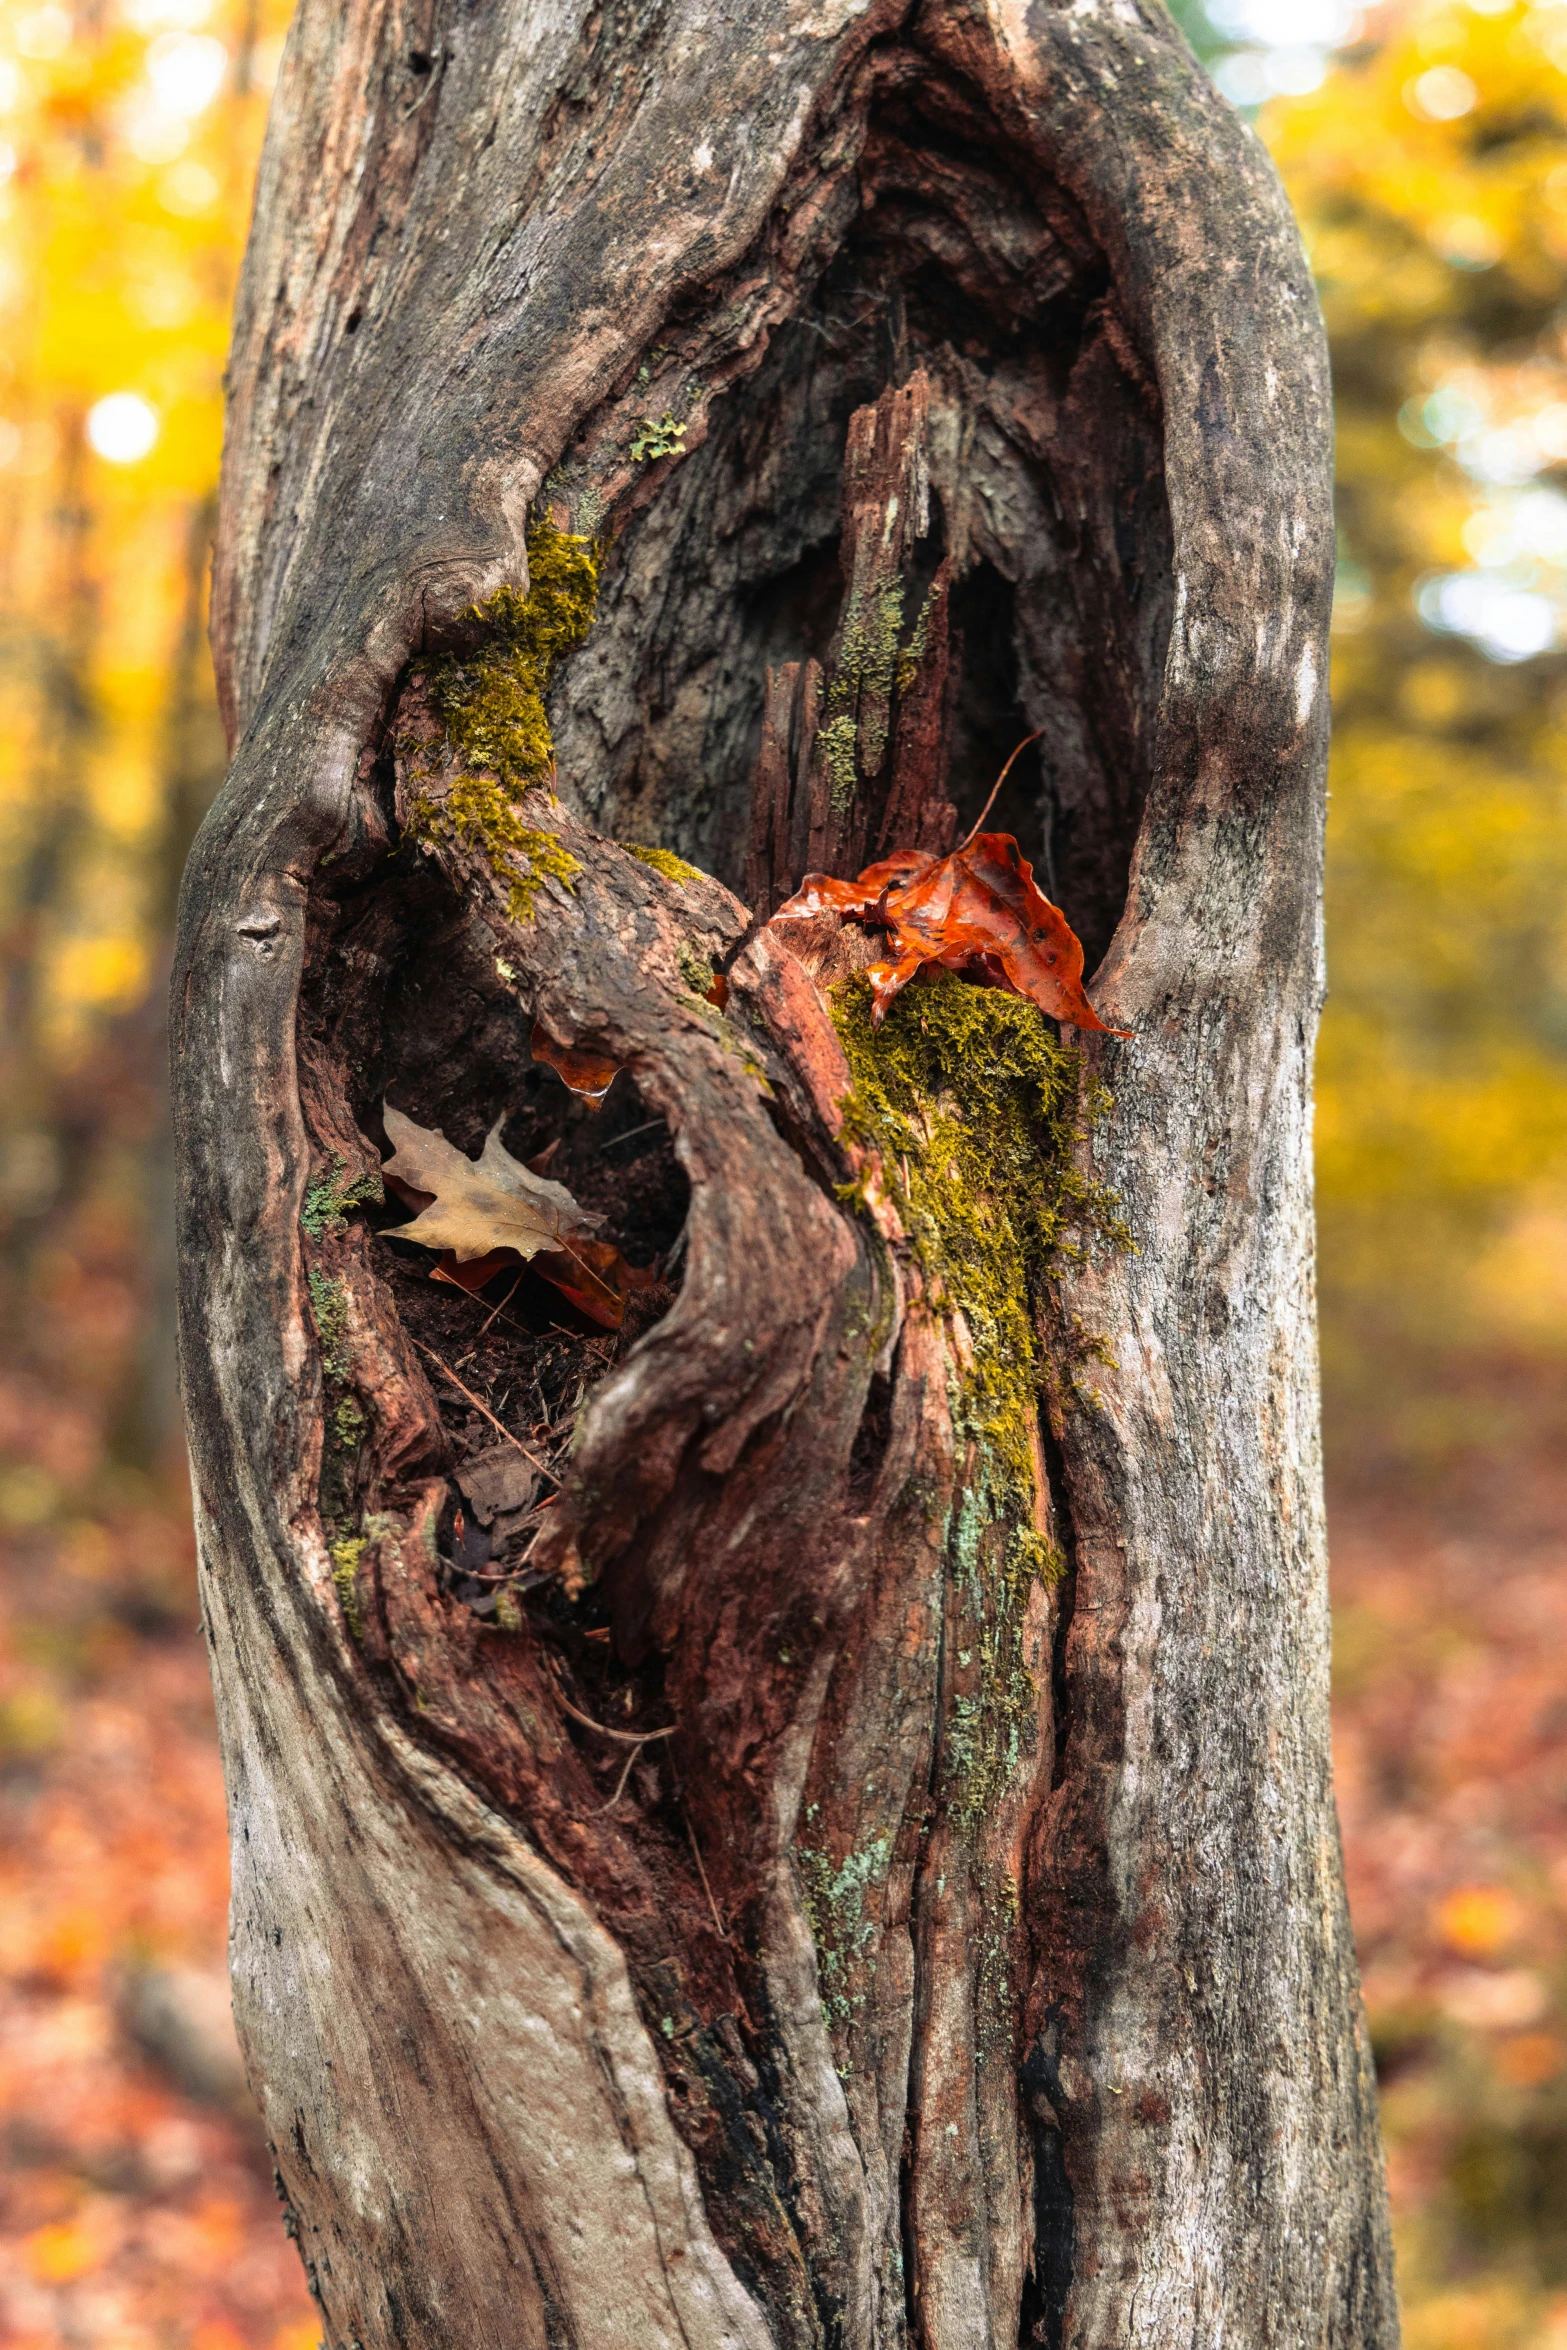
[[655, 1963]]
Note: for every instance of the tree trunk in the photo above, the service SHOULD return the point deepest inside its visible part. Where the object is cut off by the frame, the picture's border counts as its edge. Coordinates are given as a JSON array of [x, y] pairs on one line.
[[839, 1849]]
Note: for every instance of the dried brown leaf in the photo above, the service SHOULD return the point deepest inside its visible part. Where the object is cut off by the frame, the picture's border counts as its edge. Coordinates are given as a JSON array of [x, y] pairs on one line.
[[479, 1204]]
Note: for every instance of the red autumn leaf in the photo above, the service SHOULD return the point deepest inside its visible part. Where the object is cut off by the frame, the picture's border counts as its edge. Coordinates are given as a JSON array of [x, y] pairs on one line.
[[586, 1072], [977, 912], [591, 1274], [473, 1273]]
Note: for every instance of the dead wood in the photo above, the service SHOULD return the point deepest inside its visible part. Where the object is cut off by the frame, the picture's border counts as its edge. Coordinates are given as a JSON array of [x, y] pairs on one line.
[[838, 1847]]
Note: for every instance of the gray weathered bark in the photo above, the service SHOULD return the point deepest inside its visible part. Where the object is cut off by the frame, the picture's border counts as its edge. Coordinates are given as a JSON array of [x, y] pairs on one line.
[[739, 2019]]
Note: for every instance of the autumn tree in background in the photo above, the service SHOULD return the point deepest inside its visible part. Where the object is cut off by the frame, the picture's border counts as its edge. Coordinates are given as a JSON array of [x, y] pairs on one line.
[[1433, 181], [127, 154], [747, 1824], [1427, 162]]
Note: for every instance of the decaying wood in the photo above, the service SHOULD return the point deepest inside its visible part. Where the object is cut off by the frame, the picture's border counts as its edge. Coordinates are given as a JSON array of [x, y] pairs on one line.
[[633, 1971], [853, 760]]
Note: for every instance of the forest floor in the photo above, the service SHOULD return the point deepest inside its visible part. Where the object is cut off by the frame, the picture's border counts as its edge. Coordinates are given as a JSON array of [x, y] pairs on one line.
[[1450, 1737], [136, 2205]]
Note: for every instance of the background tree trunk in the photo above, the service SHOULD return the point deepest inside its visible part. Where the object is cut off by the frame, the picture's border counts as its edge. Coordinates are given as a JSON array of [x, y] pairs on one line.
[[875, 1879]]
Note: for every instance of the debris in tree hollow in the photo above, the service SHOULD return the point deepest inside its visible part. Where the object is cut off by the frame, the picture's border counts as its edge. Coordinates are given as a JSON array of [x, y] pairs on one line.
[[482, 1204]]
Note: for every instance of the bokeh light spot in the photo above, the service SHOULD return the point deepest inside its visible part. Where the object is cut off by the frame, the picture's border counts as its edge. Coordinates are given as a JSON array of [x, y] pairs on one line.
[[123, 428]]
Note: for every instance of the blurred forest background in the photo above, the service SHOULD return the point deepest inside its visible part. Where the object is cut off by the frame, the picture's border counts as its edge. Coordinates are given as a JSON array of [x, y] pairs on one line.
[[1425, 146]]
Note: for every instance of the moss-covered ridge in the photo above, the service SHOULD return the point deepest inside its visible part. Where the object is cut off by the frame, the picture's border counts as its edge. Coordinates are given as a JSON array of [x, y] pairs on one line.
[[976, 1114], [492, 704], [665, 861]]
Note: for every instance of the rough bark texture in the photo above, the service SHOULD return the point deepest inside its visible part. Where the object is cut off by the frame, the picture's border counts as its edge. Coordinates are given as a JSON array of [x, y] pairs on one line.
[[796, 1923]]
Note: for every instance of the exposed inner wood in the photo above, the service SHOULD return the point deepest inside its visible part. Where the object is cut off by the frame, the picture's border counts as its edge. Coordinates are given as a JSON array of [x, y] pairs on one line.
[[1042, 491]]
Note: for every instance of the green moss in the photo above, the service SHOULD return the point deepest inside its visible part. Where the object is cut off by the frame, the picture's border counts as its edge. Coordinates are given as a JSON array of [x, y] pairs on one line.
[[328, 1198], [976, 1113], [348, 1425], [346, 1554], [478, 813], [867, 664], [913, 653], [508, 1614], [857, 706], [493, 706], [696, 969], [837, 742], [665, 861], [973, 1108], [329, 1306]]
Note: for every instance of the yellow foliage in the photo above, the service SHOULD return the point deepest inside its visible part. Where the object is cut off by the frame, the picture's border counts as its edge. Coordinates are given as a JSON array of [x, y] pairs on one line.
[[59, 2254], [128, 139], [1435, 215]]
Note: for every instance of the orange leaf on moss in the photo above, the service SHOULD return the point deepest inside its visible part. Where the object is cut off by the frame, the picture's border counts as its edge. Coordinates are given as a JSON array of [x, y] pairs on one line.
[[977, 912]]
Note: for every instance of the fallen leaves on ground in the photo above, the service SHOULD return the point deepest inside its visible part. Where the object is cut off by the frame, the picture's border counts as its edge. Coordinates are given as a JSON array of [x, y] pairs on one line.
[[977, 912], [136, 2202]]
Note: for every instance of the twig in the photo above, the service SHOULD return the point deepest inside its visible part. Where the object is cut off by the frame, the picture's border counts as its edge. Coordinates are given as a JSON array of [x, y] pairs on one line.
[[718, 1923], [620, 1783], [505, 1301], [583, 1340], [621, 1737], [630, 1134], [467, 1393], [498, 1574], [995, 787]]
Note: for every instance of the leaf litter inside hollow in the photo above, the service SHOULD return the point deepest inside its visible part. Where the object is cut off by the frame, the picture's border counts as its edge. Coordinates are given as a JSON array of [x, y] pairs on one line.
[[487, 1213], [479, 1204], [588, 1073]]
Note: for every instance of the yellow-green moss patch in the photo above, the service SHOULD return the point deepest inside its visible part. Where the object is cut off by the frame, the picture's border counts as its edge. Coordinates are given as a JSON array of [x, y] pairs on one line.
[[329, 1307], [347, 1552], [492, 703], [976, 1113], [348, 1425], [665, 861]]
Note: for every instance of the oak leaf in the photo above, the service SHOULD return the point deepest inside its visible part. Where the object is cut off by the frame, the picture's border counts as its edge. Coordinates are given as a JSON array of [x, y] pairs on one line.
[[978, 912], [479, 1205]]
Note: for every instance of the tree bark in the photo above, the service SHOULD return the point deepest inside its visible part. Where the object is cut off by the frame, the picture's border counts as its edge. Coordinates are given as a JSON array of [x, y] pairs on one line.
[[854, 1891]]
